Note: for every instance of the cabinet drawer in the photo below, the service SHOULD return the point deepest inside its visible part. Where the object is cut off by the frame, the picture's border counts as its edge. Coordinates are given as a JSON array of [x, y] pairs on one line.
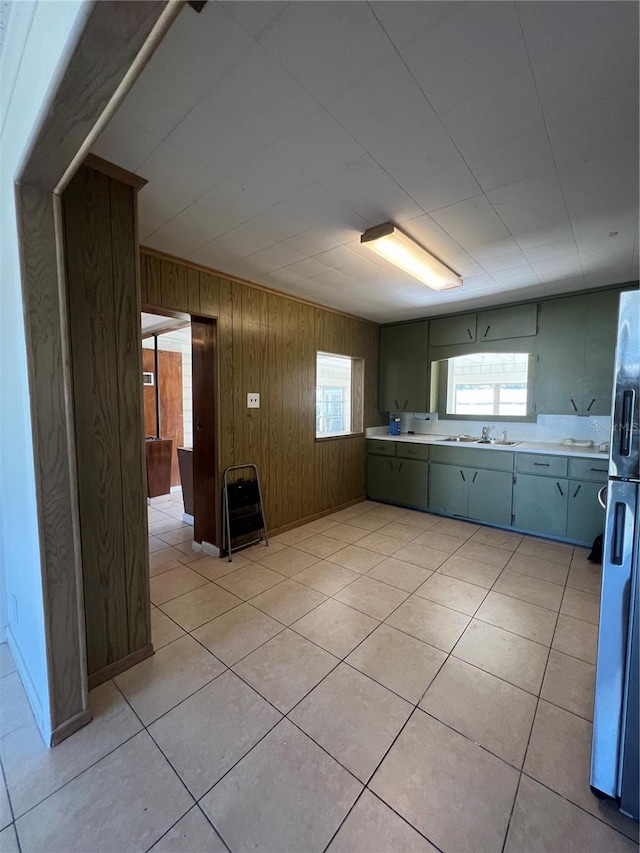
[[409, 450], [546, 466], [589, 469], [381, 448], [470, 457]]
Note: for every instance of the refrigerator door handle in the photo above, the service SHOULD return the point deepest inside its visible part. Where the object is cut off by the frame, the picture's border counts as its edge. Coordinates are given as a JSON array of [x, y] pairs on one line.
[[626, 422], [617, 535]]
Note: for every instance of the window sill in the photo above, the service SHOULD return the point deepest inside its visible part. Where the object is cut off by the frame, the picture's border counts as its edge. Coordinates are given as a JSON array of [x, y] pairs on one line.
[[338, 435]]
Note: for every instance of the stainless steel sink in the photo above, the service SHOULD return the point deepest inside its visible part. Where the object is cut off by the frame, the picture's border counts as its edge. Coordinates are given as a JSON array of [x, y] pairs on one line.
[[469, 439]]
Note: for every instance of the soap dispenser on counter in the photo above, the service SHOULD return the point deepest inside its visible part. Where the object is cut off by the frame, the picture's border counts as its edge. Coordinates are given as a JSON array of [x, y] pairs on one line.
[[394, 426]]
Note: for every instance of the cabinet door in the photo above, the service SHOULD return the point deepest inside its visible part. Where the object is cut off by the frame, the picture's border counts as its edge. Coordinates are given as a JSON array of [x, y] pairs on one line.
[[540, 504], [585, 516], [453, 330], [558, 383], [448, 489], [404, 367], [381, 478], [600, 349], [515, 321], [490, 496], [412, 483]]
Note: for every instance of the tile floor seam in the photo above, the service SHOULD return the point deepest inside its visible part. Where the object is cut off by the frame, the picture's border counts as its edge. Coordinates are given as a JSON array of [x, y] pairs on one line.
[[535, 714], [578, 806], [73, 778], [344, 819], [4, 781]]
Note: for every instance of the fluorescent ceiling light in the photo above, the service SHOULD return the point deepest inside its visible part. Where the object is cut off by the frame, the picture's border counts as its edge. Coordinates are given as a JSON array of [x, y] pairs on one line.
[[392, 244]]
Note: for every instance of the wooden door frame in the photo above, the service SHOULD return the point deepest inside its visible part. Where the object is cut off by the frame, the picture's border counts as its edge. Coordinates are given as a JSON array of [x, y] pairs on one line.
[[114, 43], [160, 311]]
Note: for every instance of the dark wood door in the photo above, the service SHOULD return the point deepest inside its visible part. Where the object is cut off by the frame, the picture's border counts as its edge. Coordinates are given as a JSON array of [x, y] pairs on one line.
[[168, 384], [205, 489]]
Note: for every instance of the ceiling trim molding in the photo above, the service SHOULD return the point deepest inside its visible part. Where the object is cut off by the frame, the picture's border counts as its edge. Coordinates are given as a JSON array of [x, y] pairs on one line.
[[114, 171]]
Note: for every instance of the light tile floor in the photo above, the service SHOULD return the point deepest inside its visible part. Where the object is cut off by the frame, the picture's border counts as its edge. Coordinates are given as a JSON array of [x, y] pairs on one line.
[[379, 680]]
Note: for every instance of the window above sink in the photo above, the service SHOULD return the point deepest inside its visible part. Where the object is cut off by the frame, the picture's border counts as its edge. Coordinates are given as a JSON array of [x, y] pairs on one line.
[[485, 387]]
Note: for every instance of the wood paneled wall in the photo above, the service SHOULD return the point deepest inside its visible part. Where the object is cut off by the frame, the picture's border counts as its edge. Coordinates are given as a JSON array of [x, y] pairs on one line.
[[104, 329], [267, 343]]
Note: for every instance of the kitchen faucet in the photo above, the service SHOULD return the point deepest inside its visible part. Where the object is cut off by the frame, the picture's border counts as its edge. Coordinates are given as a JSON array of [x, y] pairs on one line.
[[485, 432]]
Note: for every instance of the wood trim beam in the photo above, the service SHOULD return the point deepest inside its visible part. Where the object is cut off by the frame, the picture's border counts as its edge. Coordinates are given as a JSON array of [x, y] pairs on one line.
[[113, 171], [116, 40]]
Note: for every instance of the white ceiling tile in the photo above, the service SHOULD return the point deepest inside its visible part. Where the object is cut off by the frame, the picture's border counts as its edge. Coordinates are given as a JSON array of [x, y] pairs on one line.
[[420, 152], [304, 269], [504, 262], [318, 146], [478, 45], [486, 241], [200, 48], [313, 240], [566, 265], [182, 235], [549, 251], [327, 47], [517, 275], [175, 178], [551, 27], [605, 183], [385, 104], [272, 258], [214, 255], [365, 187], [512, 159], [503, 110], [565, 285], [214, 140], [404, 22], [445, 188], [603, 124], [587, 71], [315, 207], [523, 204], [254, 15], [125, 144], [270, 178], [474, 212], [260, 96], [157, 102]]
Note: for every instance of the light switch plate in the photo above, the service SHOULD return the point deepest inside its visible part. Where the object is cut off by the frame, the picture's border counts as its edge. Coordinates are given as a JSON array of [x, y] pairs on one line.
[[253, 401]]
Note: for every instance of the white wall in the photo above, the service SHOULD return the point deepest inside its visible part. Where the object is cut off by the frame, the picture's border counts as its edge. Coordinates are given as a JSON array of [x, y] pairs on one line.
[[39, 39]]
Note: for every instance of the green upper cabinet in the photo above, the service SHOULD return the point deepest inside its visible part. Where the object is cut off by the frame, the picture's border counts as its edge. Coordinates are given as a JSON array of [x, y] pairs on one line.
[[576, 351], [514, 321], [599, 354], [560, 349], [404, 367], [453, 330]]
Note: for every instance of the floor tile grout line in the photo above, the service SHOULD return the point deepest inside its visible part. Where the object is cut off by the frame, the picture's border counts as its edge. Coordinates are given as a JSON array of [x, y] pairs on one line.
[[13, 816], [582, 808]]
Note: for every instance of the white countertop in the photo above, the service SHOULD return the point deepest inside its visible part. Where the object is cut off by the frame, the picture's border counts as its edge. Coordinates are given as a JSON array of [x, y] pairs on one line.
[[546, 447]]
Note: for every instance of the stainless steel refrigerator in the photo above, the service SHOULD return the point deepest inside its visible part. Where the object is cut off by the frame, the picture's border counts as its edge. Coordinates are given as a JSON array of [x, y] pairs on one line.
[[614, 752]]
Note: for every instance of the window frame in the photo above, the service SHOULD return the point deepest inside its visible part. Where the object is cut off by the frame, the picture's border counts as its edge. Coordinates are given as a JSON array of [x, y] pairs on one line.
[[443, 383], [356, 398]]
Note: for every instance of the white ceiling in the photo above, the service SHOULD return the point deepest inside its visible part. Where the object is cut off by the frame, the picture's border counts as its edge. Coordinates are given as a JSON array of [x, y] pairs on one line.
[[502, 136]]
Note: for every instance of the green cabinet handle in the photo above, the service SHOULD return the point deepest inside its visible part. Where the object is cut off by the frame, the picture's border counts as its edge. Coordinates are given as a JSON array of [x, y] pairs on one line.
[[575, 408], [559, 489], [463, 477], [591, 404], [486, 331], [474, 477], [577, 490]]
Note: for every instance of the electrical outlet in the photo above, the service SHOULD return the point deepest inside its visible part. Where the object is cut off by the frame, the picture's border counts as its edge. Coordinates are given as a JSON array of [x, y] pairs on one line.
[[253, 401]]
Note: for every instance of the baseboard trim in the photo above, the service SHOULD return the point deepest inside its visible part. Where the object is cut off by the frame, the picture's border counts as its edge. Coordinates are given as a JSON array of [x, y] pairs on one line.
[[210, 549], [115, 668], [292, 526], [70, 727], [43, 723]]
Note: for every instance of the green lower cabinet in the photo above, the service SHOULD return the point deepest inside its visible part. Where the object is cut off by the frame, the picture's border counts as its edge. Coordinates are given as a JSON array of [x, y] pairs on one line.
[[585, 517], [490, 496], [540, 504], [381, 478], [448, 489], [412, 482]]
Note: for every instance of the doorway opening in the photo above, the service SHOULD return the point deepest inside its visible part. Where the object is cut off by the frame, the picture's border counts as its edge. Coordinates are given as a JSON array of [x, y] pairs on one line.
[[179, 393]]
